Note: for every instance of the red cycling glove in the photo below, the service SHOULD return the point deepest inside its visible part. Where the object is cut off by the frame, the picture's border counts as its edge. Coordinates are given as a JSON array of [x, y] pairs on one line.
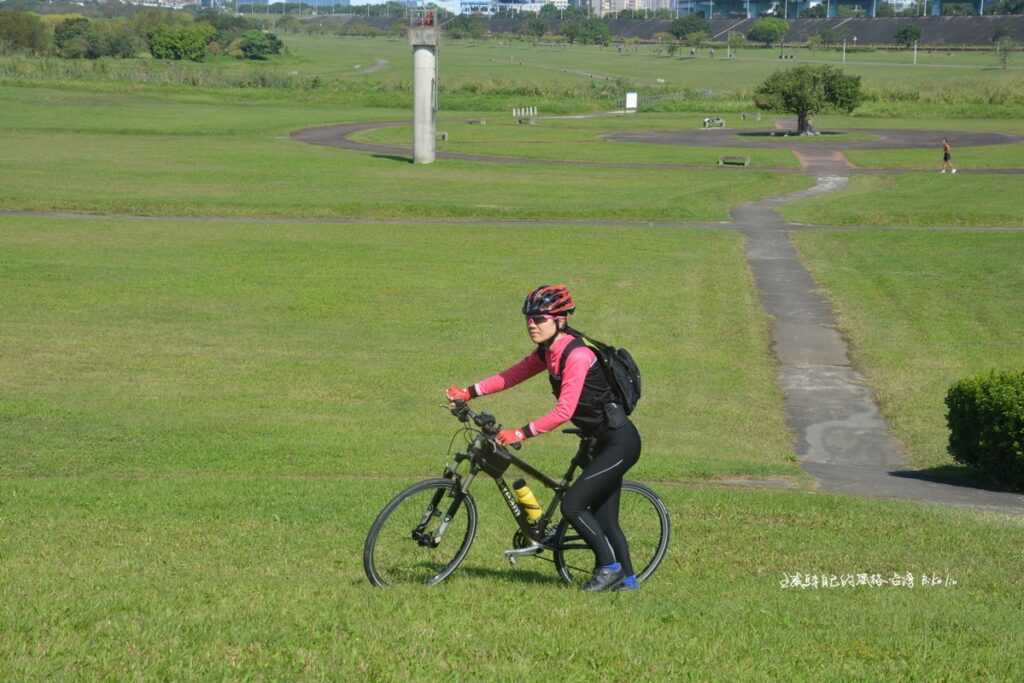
[[456, 393], [510, 436]]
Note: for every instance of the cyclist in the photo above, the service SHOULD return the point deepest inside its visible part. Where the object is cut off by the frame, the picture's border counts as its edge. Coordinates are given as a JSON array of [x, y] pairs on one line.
[[584, 396]]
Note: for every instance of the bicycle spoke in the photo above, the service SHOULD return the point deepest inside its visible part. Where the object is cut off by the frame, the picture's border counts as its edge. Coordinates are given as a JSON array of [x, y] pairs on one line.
[[412, 542]]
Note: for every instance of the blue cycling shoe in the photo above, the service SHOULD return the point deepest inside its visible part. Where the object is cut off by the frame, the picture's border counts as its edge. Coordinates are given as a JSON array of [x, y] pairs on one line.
[[628, 583]]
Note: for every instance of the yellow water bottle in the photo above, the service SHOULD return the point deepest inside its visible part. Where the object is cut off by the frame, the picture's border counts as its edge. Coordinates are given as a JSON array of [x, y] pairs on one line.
[[527, 500]]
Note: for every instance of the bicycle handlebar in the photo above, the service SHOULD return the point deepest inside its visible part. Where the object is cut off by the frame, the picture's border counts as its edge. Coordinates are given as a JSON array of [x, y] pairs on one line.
[[484, 420]]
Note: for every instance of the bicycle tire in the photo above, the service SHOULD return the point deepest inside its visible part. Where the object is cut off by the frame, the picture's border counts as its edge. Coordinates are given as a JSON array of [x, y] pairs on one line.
[[574, 559], [391, 555]]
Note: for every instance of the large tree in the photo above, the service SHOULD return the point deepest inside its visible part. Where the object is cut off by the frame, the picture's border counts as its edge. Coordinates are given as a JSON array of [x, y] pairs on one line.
[[809, 90], [907, 36], [768, 30]]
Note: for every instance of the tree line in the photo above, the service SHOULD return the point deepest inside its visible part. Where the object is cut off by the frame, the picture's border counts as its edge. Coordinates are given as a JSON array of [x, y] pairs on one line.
[[161, 33]]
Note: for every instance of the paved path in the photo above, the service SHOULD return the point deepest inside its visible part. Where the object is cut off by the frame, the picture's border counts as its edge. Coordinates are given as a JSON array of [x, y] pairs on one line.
[[773, 137], [339, 136], [839, 434]]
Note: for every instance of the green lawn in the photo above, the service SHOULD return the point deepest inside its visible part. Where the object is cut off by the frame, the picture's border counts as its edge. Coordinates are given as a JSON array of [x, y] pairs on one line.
[[499, 74], [917, 199], [203, 154], [259, 576], [199, 419], [154, 346], [922, 310], [994, 156], [578, 139]]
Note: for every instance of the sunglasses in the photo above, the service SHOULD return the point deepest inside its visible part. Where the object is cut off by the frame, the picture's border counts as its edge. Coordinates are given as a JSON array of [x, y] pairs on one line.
[[539, 319]]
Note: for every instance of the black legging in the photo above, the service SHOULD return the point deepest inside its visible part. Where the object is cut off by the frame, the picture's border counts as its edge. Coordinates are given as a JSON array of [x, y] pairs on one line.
[[592, 503]]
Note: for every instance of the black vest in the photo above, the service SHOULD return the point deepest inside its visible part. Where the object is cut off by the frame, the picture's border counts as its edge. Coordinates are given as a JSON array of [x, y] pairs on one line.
[[596, 394]]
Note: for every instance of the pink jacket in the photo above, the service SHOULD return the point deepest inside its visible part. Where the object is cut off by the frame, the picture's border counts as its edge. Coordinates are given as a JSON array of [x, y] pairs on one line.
[[577, 365]]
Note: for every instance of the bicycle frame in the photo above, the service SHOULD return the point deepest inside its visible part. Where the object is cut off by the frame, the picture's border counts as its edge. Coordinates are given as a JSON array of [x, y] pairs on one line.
[[485, 455]]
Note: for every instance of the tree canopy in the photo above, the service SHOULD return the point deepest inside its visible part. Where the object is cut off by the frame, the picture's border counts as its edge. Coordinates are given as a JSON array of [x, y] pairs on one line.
[[907, 35], [768, 30], [809, 90]]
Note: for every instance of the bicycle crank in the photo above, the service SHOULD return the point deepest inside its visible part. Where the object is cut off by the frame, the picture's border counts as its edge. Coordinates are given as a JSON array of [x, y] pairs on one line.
[[515, 553]]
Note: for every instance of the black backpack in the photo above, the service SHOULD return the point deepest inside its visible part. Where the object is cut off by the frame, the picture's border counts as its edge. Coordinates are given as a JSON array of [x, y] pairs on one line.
[[621, 371]]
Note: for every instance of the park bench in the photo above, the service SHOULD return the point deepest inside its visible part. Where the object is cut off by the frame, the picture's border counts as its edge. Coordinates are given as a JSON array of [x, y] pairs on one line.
[[733, 161]]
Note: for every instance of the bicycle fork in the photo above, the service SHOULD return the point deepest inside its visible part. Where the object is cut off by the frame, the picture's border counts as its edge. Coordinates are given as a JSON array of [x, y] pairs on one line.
[[432, 540]]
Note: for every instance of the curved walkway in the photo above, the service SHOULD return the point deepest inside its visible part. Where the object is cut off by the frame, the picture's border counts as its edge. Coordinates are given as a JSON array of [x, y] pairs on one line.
[[339, 136], [762, 137], [839, 433]]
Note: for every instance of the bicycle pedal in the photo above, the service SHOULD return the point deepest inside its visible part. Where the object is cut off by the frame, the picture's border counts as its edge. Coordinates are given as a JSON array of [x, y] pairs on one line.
[[514, 553]]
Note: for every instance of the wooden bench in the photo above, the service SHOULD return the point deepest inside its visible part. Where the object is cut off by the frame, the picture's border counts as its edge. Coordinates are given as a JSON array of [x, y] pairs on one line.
[[733, 161]]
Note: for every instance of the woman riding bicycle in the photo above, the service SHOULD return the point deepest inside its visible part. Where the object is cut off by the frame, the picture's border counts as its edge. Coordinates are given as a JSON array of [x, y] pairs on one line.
[[584, 396]]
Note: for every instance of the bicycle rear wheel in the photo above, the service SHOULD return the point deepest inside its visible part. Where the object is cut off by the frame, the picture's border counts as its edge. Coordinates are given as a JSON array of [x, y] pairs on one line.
[[645, 522], [421, 536]]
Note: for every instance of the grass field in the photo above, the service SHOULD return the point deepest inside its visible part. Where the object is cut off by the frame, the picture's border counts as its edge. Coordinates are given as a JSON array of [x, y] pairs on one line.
[[167, 347], [917, 199], [922, 310], [577, 139], [199, 154], [499, 74], [199, 419], [215, 577]]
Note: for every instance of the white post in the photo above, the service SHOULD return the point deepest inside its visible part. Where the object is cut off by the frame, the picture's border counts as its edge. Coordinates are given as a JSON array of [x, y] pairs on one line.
[[915, 52], [844, 50]]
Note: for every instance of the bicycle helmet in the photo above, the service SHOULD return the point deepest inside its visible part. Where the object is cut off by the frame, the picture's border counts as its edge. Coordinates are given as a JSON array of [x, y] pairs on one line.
[[552, 300]]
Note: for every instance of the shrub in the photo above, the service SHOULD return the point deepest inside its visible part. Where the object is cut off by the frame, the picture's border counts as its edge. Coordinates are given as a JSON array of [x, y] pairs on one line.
[[985, 415], [259, 45], [71, 38], [180, 42]]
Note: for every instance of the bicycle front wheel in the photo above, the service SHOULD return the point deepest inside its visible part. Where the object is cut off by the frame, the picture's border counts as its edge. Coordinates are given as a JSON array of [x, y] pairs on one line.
[[421, 536], [645, 523]]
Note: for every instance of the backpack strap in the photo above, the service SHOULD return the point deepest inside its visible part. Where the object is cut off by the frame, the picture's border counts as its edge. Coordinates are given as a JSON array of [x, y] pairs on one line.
[[570, 347]]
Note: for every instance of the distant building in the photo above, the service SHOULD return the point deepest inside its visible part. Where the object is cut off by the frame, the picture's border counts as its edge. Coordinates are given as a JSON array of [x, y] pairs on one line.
[[484, 7], [601, 8], [535, 7]]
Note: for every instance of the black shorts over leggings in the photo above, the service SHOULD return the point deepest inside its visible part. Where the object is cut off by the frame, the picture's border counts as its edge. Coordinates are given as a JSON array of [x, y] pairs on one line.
[[592, 502]]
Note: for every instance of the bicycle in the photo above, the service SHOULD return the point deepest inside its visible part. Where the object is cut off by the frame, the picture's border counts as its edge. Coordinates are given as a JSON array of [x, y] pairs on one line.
[[418, 537]]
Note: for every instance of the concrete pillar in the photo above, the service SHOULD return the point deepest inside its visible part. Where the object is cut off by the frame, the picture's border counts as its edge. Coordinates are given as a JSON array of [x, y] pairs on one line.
[[424, 137], [423, 36]]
